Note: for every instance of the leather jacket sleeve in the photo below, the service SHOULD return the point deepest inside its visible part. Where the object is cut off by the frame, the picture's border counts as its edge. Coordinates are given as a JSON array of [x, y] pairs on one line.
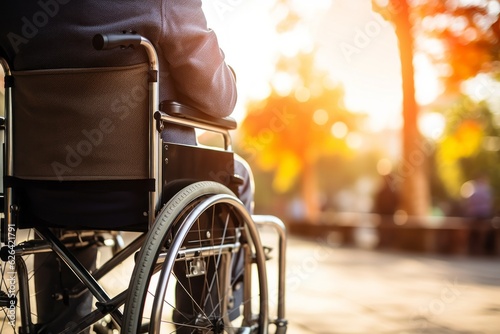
[[195, 62]]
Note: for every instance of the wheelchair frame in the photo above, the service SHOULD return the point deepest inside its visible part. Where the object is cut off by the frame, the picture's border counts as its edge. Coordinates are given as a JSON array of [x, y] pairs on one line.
[[50, 243]]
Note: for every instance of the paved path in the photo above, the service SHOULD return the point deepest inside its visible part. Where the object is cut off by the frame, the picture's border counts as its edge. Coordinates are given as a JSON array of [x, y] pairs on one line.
[[333, 290], [350, 291]]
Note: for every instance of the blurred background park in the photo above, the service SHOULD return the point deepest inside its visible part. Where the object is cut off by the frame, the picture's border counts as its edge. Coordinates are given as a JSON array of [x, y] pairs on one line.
[[372, 127], [389, 107], [349, 108], [369, 113]]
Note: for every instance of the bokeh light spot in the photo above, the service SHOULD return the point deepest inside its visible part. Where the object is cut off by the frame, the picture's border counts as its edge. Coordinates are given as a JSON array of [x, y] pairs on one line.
[[320, 117], [384, 166], [339, 130], [467, 189]]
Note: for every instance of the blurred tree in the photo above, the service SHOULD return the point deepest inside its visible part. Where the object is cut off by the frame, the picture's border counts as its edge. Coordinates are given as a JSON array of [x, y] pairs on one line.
[[411, 177], [291, 130], [302, 120], [463, 39], [469, 148]]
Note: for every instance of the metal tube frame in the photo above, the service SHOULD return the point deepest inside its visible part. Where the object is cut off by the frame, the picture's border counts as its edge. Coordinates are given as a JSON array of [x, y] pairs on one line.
[[109, 265], [78, 269], [279, 227], [154, 135], [24, 296], [8, 154], [47, 245]]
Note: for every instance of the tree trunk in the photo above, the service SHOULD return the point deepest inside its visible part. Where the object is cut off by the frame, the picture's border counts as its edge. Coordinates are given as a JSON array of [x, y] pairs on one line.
[[310, 193], [411, 174]]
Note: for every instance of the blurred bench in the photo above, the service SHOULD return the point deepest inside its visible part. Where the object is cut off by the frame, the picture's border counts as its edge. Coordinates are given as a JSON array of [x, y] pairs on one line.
[[438, 235]]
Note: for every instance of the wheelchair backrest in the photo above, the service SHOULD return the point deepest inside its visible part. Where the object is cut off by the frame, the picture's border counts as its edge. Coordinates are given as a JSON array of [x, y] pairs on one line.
[[81, 148], [81, 124]]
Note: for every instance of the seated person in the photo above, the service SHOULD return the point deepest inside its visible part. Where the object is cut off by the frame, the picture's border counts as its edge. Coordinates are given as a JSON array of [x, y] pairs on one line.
[[56, 34]]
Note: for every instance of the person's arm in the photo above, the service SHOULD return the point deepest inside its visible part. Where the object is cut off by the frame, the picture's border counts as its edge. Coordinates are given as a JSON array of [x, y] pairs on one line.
[[195, 61]]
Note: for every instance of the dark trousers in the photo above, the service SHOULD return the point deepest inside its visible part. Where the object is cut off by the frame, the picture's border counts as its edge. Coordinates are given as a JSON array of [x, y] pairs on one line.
[[53, 282]]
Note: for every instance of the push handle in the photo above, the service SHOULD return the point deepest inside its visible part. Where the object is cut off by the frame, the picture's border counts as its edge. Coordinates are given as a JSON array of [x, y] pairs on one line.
[[110, 41]]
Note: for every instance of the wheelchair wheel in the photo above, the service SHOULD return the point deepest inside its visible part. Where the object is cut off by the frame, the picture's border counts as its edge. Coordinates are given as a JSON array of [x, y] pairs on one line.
[[201, 270]]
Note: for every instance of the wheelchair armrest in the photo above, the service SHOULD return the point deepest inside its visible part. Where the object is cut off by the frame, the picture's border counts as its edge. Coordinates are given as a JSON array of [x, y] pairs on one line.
[[176, 109]]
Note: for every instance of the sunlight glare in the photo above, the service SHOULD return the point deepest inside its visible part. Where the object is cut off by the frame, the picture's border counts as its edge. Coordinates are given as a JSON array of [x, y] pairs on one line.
[[371, 81], [283, 83], [295, 41], [493, 8], [483, 87], [307, 6], [432, 125], [261, 91], [427, 85]]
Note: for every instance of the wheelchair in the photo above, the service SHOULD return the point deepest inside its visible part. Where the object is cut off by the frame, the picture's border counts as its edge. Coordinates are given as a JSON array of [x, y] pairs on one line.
[[189, 232]]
